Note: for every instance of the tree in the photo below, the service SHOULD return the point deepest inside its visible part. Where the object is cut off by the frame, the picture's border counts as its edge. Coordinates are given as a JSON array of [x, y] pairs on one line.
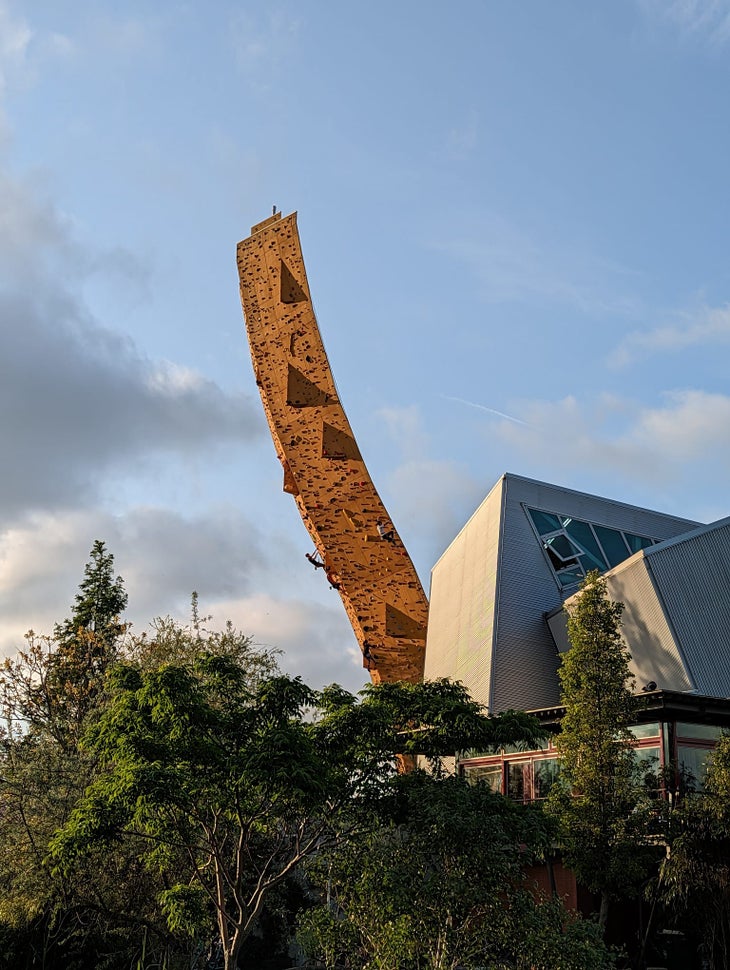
[[99, 914], [87, 642], [100, 601], [47, 691], [439, 882], [225, 787], [50, 687], [598, 801], [695, 876]]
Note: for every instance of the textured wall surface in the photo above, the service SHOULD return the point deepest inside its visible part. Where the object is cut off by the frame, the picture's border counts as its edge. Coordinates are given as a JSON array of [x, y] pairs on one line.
[[322, 466]]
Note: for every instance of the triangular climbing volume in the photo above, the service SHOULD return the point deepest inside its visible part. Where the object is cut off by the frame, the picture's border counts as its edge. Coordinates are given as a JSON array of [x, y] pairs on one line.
[[303, 393], [290, 290]]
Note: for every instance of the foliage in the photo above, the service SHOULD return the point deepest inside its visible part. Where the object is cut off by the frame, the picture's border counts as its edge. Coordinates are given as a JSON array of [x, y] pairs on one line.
[[51, 686], [599, 803], [49, 692], [87, 643], [695, 877], [170, 642], [229, 784], [431, 720], [100, 601], [439, 883]]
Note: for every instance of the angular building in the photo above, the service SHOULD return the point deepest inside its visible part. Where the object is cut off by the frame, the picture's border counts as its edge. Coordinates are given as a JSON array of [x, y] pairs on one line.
[[496, 621]]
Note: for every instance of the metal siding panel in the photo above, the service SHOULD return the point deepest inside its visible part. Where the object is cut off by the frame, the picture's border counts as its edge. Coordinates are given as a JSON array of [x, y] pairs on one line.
[[693, 578], [648, 635], [461, 614]]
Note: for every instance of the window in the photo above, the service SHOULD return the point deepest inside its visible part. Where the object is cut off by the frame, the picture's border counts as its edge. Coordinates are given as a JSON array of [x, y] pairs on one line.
[[545, 773], [692, 762], [519, 780], [645, 730], [531, 780], [574, 546], [699, 732], [490, 775]]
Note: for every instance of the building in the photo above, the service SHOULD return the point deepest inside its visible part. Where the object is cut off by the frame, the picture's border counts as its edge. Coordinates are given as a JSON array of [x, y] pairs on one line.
[[497, 623], [497, 620]]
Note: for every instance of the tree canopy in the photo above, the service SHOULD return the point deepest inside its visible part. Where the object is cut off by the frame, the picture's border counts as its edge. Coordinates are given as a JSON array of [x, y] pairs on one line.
[[164, 796], [439, 882], [598, 801]]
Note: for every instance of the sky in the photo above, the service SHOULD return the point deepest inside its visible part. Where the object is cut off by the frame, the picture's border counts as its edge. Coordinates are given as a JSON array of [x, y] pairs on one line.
[[514, 221]]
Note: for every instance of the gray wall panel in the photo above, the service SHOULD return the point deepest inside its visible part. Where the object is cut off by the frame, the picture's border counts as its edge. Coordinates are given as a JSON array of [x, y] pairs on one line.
[[648, 634], [461, 613], [693, 578]]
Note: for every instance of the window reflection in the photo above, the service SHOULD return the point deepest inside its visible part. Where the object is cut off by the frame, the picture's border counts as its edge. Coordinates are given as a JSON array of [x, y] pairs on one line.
[[574, 546]]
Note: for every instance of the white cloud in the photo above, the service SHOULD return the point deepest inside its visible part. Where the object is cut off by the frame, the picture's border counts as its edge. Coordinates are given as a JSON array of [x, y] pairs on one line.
[[433, 499], [317, 641], [688, 431], [707, 20], [161, 555], [711, 325], [15, 35], [428, 498], [78, 400], [513, 267], [692, 425]]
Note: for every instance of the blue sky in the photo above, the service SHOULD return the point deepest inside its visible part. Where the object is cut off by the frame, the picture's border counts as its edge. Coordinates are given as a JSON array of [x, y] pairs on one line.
[[514, 218]]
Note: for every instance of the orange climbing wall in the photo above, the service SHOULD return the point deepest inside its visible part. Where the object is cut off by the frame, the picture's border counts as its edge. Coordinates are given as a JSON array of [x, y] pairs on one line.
[[323, 468]]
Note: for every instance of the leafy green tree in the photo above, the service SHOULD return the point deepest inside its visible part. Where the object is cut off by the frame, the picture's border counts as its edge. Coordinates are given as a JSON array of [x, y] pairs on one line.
[[100, 601], [695, 876], [100, 914], [225, 787], [50, 686], [87, 642], [439, 883], [47, 693], [599, 803]]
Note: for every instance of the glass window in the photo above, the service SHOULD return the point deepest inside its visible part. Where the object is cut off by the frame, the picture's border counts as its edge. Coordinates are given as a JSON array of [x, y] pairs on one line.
[[693, 762], [541, 745], [649, 763], [637, 542], [544, 521], [613, 544], [562, 546], [575, 546], [519, 780], [645, 730], [490, 775], [582, 533], [544, 773], [703, 732], [571, 575]]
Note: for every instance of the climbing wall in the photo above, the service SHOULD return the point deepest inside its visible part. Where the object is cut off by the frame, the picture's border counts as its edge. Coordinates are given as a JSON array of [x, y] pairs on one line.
[[323, 468]]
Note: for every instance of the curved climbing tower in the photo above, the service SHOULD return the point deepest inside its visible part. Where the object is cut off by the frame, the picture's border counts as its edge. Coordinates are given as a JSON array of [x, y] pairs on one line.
[[356, 543]]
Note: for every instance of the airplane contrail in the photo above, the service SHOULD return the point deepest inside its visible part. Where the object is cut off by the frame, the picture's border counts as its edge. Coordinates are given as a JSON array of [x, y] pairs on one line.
[[482, 407]]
